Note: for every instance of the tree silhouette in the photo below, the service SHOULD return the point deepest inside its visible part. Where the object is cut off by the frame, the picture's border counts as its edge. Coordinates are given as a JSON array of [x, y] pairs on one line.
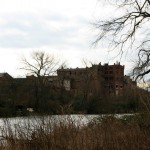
[[41, 65], [125, 30]]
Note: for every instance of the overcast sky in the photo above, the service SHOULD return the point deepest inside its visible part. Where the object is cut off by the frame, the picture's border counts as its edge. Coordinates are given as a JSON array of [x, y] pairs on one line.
[[60, 27]]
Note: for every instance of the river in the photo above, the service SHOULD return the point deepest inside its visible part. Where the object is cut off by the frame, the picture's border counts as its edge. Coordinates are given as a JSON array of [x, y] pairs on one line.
[[27, 125]]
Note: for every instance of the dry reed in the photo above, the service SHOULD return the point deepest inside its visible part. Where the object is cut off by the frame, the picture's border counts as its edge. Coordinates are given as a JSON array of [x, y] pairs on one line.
[[108, 134]]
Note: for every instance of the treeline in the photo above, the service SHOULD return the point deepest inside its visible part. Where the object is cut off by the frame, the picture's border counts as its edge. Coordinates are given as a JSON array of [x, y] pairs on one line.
[[55, 103], [38, 93]]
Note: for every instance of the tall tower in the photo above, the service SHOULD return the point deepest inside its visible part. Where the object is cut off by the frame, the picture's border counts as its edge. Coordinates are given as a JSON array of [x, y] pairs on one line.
[[113, 78]]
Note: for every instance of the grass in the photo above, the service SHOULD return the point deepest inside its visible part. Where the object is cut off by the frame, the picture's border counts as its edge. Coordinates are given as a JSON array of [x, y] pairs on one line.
[[106, 133]]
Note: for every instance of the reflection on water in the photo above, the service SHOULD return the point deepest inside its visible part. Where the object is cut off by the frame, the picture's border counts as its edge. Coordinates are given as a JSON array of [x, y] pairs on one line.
[[53, 119], [30, 124], [43, 120]]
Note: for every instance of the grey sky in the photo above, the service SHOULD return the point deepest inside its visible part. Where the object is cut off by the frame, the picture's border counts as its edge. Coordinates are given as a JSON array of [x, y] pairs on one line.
[[59, 27]]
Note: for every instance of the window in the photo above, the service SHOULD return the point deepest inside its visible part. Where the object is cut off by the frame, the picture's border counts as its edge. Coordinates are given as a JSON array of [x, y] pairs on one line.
[[112, 86], [111, 78], [106, 78], [111, 72]]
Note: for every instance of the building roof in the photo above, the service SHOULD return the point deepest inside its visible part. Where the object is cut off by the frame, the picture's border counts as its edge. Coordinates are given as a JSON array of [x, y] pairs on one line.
[[5, 74]]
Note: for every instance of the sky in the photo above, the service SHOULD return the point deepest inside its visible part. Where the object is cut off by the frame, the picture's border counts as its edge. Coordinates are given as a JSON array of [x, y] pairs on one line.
[[60, 27]]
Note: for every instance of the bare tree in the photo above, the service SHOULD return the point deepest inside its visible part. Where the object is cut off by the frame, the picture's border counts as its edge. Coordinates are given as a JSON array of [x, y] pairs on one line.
[[41, 65], [86, 78], [125, 30], [62, 79]]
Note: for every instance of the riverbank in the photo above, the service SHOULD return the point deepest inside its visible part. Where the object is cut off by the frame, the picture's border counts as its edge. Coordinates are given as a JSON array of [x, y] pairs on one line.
[[106, 133]]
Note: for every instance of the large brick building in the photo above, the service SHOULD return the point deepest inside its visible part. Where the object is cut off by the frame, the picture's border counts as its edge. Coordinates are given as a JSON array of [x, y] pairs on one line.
[[87, 82], [95, 80]]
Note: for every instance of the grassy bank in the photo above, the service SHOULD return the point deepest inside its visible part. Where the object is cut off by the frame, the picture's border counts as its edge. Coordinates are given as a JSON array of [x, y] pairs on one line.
[[100, 134]]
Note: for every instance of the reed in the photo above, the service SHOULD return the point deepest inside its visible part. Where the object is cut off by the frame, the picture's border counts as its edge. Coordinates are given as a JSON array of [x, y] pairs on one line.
[[104, 134]]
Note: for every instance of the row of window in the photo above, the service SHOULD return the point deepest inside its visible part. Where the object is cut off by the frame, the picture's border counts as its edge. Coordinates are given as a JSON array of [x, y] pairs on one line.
[[114, 86], [113, 72], [70, 73], [114, 78]]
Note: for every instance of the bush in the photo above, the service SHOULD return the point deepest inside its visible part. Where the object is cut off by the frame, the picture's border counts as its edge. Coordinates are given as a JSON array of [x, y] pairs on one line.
[[106, 133]]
